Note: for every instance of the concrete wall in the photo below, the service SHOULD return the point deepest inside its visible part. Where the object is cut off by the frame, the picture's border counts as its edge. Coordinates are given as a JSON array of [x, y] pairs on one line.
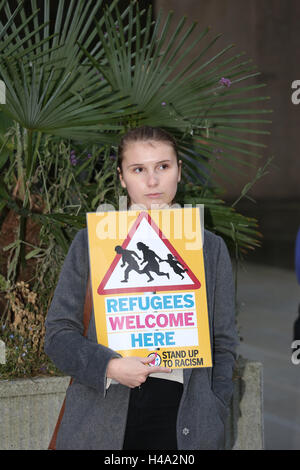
[[29, 410], [245, 426]]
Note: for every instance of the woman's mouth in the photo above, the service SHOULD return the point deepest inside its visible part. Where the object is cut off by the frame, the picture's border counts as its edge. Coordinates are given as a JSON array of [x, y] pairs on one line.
[[154, 195]]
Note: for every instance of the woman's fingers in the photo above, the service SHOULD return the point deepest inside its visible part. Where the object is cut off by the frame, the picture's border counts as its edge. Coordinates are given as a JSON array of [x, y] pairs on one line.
[[154, 369], [147, 360], [133, 371]]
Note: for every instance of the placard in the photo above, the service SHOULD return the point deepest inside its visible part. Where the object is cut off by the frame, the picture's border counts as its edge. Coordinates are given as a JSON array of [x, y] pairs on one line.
[[148, 283]]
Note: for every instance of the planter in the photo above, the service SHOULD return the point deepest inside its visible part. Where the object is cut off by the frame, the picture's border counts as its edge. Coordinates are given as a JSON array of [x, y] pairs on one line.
[[245, 424], [29, 410]]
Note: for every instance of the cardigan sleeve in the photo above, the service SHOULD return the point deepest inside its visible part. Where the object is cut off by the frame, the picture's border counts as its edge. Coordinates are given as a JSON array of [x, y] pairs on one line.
[[71, 352], [225, 338]]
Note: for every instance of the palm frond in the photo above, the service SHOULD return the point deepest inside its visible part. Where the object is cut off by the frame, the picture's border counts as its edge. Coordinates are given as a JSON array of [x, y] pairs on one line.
[[173, 83], [95, 72]]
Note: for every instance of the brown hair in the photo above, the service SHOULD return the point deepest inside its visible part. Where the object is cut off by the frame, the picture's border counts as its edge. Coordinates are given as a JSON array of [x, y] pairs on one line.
[[145, 133]]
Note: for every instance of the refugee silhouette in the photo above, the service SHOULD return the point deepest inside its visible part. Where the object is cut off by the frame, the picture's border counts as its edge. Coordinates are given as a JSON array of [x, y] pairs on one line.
[[127, 257], [150, 258], [174, 263]]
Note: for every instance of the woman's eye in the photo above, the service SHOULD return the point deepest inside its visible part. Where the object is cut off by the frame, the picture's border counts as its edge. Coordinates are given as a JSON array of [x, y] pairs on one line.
[[140, 169], [137, 170]]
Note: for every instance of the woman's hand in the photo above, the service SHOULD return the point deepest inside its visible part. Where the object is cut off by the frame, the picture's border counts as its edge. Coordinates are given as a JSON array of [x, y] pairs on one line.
[[132, 371]]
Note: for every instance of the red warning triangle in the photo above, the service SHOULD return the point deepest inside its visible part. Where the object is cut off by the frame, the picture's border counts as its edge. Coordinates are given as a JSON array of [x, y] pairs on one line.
[[147, 262]]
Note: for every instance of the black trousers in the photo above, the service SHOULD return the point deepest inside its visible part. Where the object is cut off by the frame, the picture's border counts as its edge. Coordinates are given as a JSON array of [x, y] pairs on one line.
[[152, 415]]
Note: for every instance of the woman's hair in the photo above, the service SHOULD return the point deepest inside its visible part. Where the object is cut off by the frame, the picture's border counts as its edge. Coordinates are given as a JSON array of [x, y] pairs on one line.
[[145, 133]]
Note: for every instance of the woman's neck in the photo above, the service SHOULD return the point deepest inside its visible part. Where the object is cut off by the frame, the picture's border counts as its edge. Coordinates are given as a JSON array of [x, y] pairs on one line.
[[135, 207]]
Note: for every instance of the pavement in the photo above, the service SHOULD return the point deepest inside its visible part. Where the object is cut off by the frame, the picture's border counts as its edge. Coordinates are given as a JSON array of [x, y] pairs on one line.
[[268, 300]]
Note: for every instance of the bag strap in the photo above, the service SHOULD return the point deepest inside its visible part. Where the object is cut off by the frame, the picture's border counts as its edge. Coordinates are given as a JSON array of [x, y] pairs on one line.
[[86, 320], [88, 305]]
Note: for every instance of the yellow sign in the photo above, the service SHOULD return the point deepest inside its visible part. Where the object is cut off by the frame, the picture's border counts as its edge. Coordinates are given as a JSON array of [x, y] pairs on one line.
[[148, 284]]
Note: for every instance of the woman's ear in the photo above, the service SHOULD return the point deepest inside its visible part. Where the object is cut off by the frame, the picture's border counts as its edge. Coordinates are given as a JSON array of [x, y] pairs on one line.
[[121, 177], [179, 170]]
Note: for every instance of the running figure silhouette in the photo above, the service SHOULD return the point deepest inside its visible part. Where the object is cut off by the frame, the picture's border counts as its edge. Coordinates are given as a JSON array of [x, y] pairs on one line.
[[150, 258], [174, 263], [127, 257]]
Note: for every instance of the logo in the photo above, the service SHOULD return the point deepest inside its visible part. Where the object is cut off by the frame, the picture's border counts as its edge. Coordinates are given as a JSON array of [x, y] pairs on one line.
[[156, 359]]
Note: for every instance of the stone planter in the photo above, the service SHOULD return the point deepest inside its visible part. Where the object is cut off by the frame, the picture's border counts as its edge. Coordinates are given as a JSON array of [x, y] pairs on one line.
[[245, 424], [29, 409]]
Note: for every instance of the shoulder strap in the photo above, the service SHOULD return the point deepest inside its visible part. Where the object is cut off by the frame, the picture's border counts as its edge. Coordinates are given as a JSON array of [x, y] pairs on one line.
[[86, 320], [87, 307]]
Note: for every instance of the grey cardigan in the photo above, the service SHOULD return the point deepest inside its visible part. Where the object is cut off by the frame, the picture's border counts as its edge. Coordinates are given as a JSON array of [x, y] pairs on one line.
[[95, 418]]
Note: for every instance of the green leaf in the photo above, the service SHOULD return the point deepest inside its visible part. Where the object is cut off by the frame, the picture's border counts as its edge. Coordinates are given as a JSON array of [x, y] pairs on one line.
[[33, 253]]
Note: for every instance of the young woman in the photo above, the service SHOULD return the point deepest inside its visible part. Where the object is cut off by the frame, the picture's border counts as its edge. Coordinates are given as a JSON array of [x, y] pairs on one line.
[[120, 402]]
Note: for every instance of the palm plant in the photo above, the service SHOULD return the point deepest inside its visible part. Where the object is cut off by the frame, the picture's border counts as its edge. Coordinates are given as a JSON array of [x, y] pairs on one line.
[[205, 111], [49, 91], [90, 82]]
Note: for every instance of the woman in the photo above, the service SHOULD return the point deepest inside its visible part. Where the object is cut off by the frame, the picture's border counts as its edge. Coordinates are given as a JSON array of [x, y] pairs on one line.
[[120, 402]]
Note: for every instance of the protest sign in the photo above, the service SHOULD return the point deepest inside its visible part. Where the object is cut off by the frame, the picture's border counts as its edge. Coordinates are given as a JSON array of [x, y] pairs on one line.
[[148, 283]]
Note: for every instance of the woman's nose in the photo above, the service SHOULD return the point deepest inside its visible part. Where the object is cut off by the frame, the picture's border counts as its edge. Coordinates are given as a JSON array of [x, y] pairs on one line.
[[152, 179]]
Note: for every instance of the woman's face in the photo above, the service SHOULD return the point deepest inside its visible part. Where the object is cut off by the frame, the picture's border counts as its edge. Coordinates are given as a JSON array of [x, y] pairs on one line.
[[150, 173]]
